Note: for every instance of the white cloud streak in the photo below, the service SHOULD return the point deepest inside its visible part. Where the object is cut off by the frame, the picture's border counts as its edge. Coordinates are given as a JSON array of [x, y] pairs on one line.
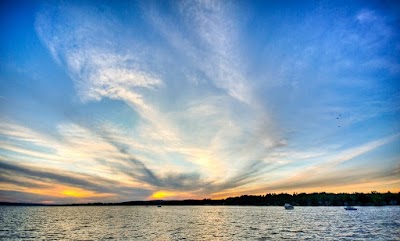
[[206, 131], [199, 117]]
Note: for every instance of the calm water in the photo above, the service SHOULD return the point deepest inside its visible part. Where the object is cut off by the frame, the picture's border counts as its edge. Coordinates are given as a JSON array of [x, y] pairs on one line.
[[199, 223]]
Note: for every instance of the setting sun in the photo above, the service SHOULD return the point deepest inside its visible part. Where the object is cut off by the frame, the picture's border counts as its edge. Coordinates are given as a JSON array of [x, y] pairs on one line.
[[162, 194], [74, 193]]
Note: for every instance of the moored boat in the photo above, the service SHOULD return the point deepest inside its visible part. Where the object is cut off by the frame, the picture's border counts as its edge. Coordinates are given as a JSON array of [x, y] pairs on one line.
[[288, 206], [350, 208]]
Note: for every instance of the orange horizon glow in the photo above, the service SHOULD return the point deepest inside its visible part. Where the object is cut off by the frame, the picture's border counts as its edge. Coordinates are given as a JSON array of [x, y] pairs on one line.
[[65, 192], [80, 195]]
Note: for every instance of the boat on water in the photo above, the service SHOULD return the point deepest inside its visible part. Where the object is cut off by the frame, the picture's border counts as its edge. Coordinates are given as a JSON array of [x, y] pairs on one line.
[[350, 208], [159, 206], [288, 206]]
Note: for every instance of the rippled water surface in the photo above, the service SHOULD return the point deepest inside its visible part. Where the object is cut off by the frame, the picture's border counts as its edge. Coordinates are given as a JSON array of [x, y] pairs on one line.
[[199, 223]]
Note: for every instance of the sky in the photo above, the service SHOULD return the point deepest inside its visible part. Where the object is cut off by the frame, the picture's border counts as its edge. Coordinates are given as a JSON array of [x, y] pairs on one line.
[[111, 101]]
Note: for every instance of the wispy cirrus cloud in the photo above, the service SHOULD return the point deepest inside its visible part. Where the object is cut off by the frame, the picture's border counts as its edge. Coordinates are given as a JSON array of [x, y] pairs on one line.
[[215, 24], [328, 171], [106, 166], [203, 130], [199, 98]]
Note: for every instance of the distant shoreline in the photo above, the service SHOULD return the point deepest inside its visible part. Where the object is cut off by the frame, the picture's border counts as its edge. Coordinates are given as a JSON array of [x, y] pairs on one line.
[[302, 199]]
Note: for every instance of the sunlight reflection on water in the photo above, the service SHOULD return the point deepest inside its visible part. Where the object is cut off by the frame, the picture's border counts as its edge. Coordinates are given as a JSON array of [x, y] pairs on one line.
[[199, 223]]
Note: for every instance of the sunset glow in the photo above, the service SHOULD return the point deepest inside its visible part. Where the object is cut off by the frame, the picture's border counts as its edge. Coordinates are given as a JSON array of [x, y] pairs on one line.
[[146, 100]]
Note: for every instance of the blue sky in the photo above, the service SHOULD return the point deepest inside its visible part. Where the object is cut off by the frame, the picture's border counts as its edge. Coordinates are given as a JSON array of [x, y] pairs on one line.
[[105, 101]]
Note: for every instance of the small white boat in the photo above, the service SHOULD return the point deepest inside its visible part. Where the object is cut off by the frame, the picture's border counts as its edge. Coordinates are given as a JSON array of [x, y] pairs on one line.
[[350, 208], [288, 206]]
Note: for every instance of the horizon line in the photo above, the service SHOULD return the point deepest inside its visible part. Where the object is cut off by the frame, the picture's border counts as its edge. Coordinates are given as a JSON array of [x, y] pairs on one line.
[[5, 203]]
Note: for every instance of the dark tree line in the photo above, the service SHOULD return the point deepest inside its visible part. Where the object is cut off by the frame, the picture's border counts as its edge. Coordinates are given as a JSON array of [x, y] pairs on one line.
[[318, 199]]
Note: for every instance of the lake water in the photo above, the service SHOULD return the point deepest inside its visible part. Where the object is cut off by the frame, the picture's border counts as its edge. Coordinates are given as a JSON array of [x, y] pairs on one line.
[[198, 223]]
